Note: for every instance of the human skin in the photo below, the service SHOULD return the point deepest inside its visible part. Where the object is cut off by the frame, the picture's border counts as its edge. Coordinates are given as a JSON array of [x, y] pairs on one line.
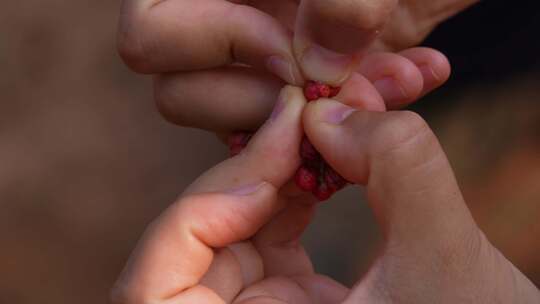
[[233, 235], [242, 52]]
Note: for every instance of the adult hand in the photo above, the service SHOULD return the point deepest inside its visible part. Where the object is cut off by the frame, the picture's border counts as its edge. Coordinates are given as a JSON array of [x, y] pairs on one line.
[[232, 237], [330, 35], [222, 63]]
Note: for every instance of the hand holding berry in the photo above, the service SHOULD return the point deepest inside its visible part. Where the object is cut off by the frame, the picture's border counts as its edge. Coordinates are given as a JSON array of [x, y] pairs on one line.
[[314, 174], [241, 53], [233, 235]]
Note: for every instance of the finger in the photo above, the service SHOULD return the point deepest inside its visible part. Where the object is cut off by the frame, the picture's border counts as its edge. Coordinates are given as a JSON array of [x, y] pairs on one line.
[[399, 78], [359, 93], [238, 98], [232, 268], [224, 276], [225, 99], [322, 290], [410, 184], [246, 96], [274, 159], [331, 35], [433, 65], [396, 78], [278, 242], [227, 204], [171, 35], [403, 78], [312, 289]]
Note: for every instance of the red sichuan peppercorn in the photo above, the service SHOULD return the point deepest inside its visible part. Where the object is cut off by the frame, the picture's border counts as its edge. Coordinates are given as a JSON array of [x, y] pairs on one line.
[[306, 179], [314, 175], [315, 90]]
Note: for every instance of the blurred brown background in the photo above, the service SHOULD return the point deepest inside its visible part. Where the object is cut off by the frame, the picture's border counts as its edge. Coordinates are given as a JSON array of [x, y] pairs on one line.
[[86, 162]]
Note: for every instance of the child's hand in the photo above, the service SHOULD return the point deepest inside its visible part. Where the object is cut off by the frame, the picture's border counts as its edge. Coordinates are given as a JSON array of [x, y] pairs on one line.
[[232, 237], [218, 60]]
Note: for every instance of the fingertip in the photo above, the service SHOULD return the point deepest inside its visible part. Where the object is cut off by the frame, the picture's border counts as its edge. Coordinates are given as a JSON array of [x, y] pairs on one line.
[[434, 66], [316, 120], [397, 79], [333, 129], [325, 112], [244, 97], [359, 93], [286, 69], [272, 153], [324, 65], [331, 36]]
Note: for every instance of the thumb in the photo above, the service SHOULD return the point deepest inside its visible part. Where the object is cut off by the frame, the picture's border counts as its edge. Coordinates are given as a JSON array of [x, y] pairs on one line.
[[330, 35], [434, 252], [409, 182], [227, 204]]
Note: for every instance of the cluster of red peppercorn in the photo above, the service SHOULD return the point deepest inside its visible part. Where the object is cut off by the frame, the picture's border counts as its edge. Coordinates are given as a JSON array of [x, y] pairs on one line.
[[314, 175]]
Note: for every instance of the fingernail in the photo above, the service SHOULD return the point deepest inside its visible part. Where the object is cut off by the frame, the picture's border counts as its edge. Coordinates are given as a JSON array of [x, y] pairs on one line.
[[278, 107], [431, 78], [390, 89], [281, 68], [327, 66], [246, 189], [337, 113]]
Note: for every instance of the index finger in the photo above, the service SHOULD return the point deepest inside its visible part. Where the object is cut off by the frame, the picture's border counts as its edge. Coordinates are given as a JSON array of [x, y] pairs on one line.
[[178, 35], [228, 204]]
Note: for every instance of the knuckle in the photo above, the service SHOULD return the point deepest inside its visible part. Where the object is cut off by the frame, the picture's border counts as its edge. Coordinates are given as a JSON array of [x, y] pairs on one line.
[[187, 207], [365, 14], [216, 225], [398, 129]]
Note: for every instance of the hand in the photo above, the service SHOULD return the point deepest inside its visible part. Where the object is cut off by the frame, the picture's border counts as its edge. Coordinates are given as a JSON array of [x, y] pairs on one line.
[[331, 35], [232, 237], [230, 52]]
